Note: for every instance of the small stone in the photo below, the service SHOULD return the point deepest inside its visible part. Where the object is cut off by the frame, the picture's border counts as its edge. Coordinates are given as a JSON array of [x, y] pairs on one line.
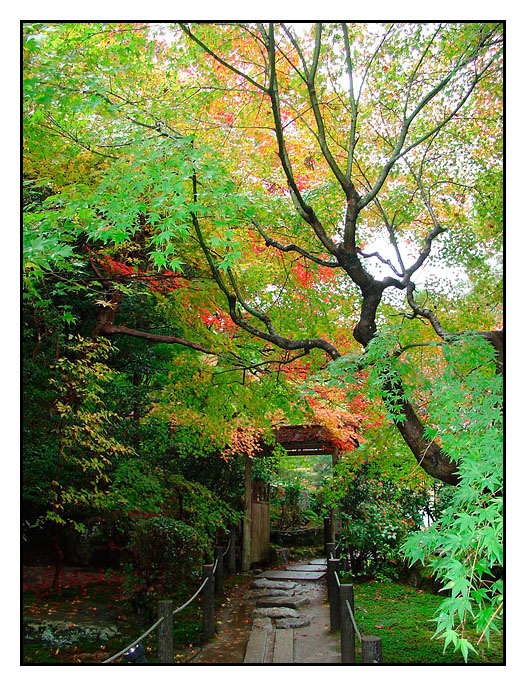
[[275, 612], [291, 622]]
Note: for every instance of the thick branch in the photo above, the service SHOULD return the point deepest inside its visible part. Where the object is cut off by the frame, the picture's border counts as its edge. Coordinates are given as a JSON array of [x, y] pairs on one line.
[[304, 210], [428, 453], [156, 338], [352, 100], [232, 299], [343, 180]]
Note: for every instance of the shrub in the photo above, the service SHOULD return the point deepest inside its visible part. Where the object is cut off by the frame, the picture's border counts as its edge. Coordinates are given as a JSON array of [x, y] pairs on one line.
[[377, 515], [164, 552]]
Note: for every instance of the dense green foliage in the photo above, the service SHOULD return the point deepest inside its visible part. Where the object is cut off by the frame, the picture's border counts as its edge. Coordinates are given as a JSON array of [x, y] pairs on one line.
[[466, 543]]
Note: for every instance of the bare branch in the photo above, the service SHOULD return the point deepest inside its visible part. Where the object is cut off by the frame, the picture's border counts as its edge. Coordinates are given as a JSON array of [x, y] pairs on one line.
[[291, 247], [219, 59], [399, 150]]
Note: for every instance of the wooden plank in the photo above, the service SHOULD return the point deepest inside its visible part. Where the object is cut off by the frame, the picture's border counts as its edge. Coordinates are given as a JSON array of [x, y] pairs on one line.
[[292, 575], [258, 646], [284, 647]]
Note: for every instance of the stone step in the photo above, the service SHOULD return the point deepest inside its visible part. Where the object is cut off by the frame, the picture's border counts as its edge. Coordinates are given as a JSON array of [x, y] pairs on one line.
[[274, 592], [283, 647], [292, 575], [259, 645], [271, 583], [307, 568], [294, 602], [275, 612]]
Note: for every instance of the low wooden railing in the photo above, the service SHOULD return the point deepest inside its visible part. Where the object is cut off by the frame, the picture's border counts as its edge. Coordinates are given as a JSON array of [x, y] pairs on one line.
[[341, 601], [211, 584]]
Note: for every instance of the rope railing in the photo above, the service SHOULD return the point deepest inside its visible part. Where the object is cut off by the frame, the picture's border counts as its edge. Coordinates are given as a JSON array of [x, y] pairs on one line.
[[228, 547], [213, 577], [188, 602], [353, 620]]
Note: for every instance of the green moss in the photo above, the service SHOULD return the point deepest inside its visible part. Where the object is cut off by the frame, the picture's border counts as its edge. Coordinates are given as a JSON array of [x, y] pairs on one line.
[[401, 616]]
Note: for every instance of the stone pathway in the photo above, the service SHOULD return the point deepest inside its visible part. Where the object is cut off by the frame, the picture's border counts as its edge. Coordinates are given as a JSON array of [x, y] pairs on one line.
[[291, 617], [270, 620]]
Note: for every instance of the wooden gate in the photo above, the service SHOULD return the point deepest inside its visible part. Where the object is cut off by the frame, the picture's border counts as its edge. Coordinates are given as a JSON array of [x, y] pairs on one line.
[[260, 525]]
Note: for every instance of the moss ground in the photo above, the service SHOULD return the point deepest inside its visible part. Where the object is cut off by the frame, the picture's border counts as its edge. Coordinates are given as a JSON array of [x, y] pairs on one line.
[[400, 615]]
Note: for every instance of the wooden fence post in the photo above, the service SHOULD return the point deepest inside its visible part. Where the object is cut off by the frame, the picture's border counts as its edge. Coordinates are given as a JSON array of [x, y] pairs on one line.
[[218, 577], [209, 623], [326, 531], [334, 594], [165, 636], [246, 551], [330, 553], [231, 555], [371, 650], [346, 625]]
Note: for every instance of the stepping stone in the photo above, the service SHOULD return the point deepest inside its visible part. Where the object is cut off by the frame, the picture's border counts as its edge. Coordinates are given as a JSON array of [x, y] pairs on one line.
[[294, 576], [307, 568], [284, 647], [318, 561], [275, 592], [275, 612], [295, 602], [291, 622], [267, 583], [259, 642]]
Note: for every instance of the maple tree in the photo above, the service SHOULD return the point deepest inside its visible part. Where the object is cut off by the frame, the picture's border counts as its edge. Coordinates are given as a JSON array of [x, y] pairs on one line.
[[283, 205]]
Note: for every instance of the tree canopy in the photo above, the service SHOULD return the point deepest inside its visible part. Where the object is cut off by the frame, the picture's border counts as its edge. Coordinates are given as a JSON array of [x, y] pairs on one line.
[[299, 188]]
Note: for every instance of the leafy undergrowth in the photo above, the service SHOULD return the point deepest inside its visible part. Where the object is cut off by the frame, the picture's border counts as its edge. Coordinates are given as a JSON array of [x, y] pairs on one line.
[[91, 598], [306, 552], [400, 616]]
